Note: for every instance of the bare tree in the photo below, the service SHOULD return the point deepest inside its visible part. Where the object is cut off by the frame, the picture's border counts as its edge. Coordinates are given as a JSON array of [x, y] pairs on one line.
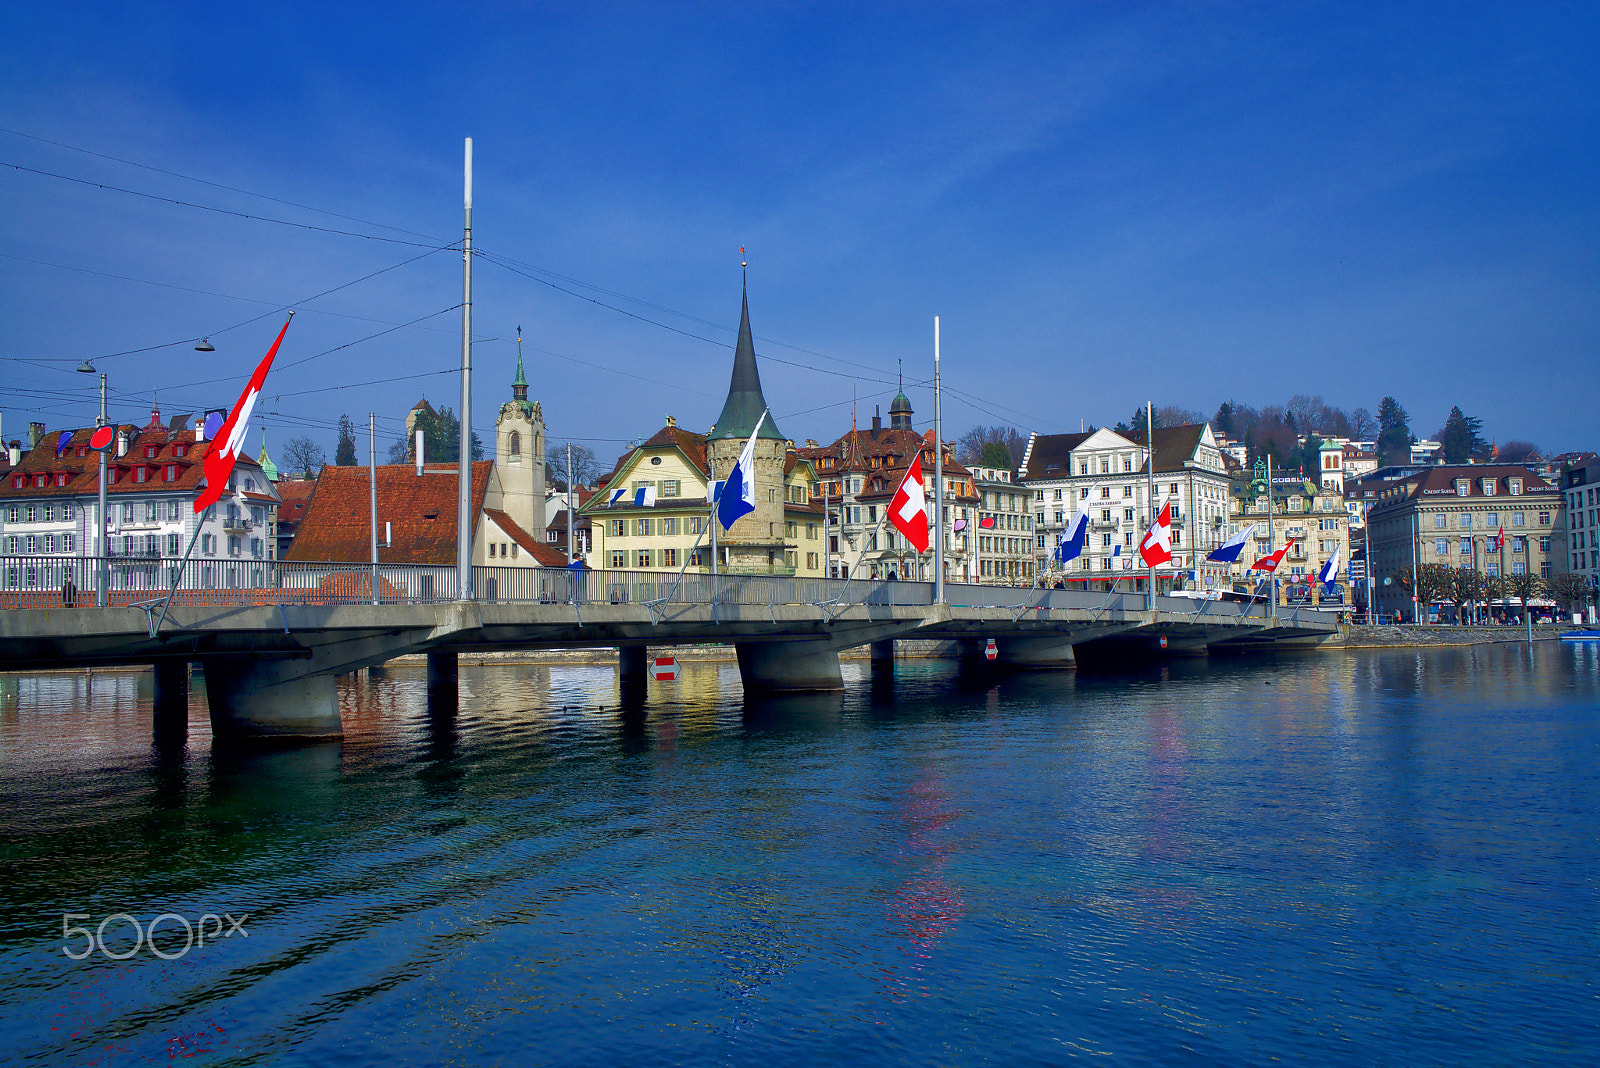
[[1363, 425], [1524, 587], [585, 468], [1570, 591], [302, 455], [971, 446], [1172, 415], [1519, 452]]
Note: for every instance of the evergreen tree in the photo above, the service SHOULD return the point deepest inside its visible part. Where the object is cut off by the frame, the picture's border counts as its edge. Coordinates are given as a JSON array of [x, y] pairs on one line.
[[1394, 433], [995, 455], [344, 454], [1460, 438], [1223, 420], [441, 437]]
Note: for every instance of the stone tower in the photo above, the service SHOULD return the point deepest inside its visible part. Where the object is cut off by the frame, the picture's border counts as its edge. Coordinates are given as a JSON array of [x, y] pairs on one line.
[[756, 543], [519, 455]]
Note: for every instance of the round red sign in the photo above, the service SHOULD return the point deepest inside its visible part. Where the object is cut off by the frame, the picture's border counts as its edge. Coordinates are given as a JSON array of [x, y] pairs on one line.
[[102, 438]]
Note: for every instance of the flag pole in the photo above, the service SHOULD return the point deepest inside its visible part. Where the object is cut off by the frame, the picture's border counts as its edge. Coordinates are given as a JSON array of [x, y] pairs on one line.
[[1150, 470], [938, 476], [1272, 547], [464, 437]]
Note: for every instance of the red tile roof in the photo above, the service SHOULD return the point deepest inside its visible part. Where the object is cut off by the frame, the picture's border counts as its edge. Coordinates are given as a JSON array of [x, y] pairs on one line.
[[142, 469], [544, 554], [420, 511]]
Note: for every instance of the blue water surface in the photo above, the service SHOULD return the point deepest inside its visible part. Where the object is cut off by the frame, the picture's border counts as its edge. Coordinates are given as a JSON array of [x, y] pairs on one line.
[[1382, 857]]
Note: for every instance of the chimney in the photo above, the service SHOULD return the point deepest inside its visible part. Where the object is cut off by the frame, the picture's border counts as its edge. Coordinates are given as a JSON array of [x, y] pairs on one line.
[[199, 430], [16, 453], [877, 420], [122, 443], [35, 435]]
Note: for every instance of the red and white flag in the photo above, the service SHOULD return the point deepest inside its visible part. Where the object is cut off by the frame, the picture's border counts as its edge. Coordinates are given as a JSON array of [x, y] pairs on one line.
[[1270, 562], [229, 441], [1500, 540], [909, 509], [1157, 545]]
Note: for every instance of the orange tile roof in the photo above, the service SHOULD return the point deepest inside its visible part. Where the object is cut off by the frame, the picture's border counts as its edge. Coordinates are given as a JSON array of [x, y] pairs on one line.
[[150, 450], [546, 555], [420, 511]]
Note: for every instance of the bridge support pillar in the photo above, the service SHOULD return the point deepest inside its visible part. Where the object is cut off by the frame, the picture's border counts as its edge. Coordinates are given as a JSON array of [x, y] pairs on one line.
[[171, 698], [444, 678], [883, 657], [788, 667], [633, 675], [271, 700], [1029, 654]]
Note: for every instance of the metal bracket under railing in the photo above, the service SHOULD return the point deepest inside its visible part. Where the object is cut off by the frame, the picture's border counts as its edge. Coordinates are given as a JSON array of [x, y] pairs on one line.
[[149, 609]]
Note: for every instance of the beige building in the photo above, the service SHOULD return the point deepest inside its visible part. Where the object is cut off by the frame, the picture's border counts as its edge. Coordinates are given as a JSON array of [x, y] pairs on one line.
[[1314, 516], [652, 511]]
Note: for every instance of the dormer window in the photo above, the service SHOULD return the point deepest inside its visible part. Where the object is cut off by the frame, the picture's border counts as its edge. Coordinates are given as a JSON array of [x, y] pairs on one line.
[[150, 452], [38, 481], [139, 473], [61, 478], [1488, 487], [172, 473], [83, 450], [1516, 486], [180, 450], [1463, 487]]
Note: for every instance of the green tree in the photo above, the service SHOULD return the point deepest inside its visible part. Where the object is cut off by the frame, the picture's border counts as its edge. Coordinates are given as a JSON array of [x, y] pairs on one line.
[[344, 454], [1223, 420], [441, 437], [1460, 438], [1394, 433], [995, 455]]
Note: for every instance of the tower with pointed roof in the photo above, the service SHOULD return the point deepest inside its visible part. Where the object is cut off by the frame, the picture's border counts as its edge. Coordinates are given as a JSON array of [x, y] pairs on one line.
[[756, 543], [519, 448], [268, 468]]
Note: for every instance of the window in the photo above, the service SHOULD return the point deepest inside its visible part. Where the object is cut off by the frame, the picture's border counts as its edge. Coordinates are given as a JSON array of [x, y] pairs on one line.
[[619, 559], [1127, 514], [1544, 543], [66, 543], [669, 558], [1058, 495], [1463, 487], [1105, 467], [1466, 546], [1061, 517], [49, 543], [1441, 547], [1519, 567], [1127, 491], [669, 525], [172, 545], [641, 558], [33, 543], [1544, 569], [172, 509], [669, 487], [1038, 495], [1488, 487], [1516, 486], [1492, 520], [697, 524], [619, 528], [641, 527], [811, 532], [1083, 468], [33, 513], [1172, 488], [127, 512], [1519, 545], [811, 561], [149, 511], [1519, 519], [1544, 519], [233, 545], [514, 444]]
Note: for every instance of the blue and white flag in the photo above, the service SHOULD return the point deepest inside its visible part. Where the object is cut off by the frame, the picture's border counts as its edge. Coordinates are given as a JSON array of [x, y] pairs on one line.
[[645, 496], [1075, 538], [1228, 552], [616, 496], [1330, 572], [738, 496]]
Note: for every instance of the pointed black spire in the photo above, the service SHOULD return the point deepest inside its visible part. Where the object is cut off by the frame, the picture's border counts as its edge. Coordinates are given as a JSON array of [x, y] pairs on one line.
[[745, 402]]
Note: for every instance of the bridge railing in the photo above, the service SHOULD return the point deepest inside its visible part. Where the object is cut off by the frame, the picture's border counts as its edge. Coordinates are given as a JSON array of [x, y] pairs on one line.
[[53, 581]]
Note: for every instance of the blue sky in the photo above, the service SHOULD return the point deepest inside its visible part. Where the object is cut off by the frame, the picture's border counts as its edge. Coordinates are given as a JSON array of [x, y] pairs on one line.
[[1185, 203]]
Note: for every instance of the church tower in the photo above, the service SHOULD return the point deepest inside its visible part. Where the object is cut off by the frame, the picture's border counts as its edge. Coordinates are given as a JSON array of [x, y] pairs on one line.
[[756, 543], [519, 455]]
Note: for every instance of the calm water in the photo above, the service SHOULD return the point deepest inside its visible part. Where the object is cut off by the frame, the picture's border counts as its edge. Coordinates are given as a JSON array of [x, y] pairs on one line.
[[1364, 858]]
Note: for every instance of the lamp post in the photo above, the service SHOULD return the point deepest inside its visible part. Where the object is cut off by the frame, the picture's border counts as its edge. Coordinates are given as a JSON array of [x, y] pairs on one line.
[[100, 576]]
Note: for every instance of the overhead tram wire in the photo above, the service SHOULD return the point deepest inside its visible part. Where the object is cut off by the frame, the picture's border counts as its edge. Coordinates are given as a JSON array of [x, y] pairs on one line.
[[214, 185], [203, 293], [209, 207], [258, 318]]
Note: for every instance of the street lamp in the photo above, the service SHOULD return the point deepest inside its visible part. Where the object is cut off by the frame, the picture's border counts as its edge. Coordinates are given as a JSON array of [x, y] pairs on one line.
[[100, 579]]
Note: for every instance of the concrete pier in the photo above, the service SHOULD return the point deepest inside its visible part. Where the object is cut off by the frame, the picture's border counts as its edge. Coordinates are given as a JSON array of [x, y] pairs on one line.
[[633, 675], [171, 698], [788, 667], [1035, 654], [444, 681], [883, 657], [271, 700]]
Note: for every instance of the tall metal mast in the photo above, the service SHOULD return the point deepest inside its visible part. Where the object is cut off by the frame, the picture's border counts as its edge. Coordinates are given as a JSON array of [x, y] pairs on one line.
[[464, 451], [1150, 468], [938, 476]]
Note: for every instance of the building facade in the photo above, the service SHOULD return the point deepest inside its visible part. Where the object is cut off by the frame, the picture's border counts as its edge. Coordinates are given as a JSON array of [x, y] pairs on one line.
[[1110, 472], [1581, 491], [1314, 516], [49, 504], [1001, 536], [1453, 516]]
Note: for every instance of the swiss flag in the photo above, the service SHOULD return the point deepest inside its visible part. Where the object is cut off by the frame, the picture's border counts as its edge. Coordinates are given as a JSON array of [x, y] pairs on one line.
[[1157, 545], [1500, 540], [909, 509], [219, 459], [1270, 562]]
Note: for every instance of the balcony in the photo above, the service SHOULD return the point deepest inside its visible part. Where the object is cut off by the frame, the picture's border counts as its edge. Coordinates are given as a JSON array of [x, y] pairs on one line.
[[236, 524]]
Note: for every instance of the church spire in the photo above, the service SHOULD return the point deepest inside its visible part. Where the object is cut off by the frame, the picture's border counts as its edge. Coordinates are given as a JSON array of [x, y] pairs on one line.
[[745, 402], [519, 384]]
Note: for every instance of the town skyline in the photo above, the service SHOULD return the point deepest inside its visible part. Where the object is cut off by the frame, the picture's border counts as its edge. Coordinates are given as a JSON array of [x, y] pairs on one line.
[[1103, 208]]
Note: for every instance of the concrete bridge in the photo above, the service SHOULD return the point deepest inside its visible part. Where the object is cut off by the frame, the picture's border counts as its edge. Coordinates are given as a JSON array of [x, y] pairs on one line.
[[271, 654]]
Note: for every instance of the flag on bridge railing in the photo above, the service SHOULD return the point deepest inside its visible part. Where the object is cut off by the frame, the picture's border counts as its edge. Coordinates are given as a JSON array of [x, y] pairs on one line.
[[1329, 574], [1228, 552], [1157, 545], [738, 496], [229, 439], [1270, 562], [1075, 538], [908, 511]]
